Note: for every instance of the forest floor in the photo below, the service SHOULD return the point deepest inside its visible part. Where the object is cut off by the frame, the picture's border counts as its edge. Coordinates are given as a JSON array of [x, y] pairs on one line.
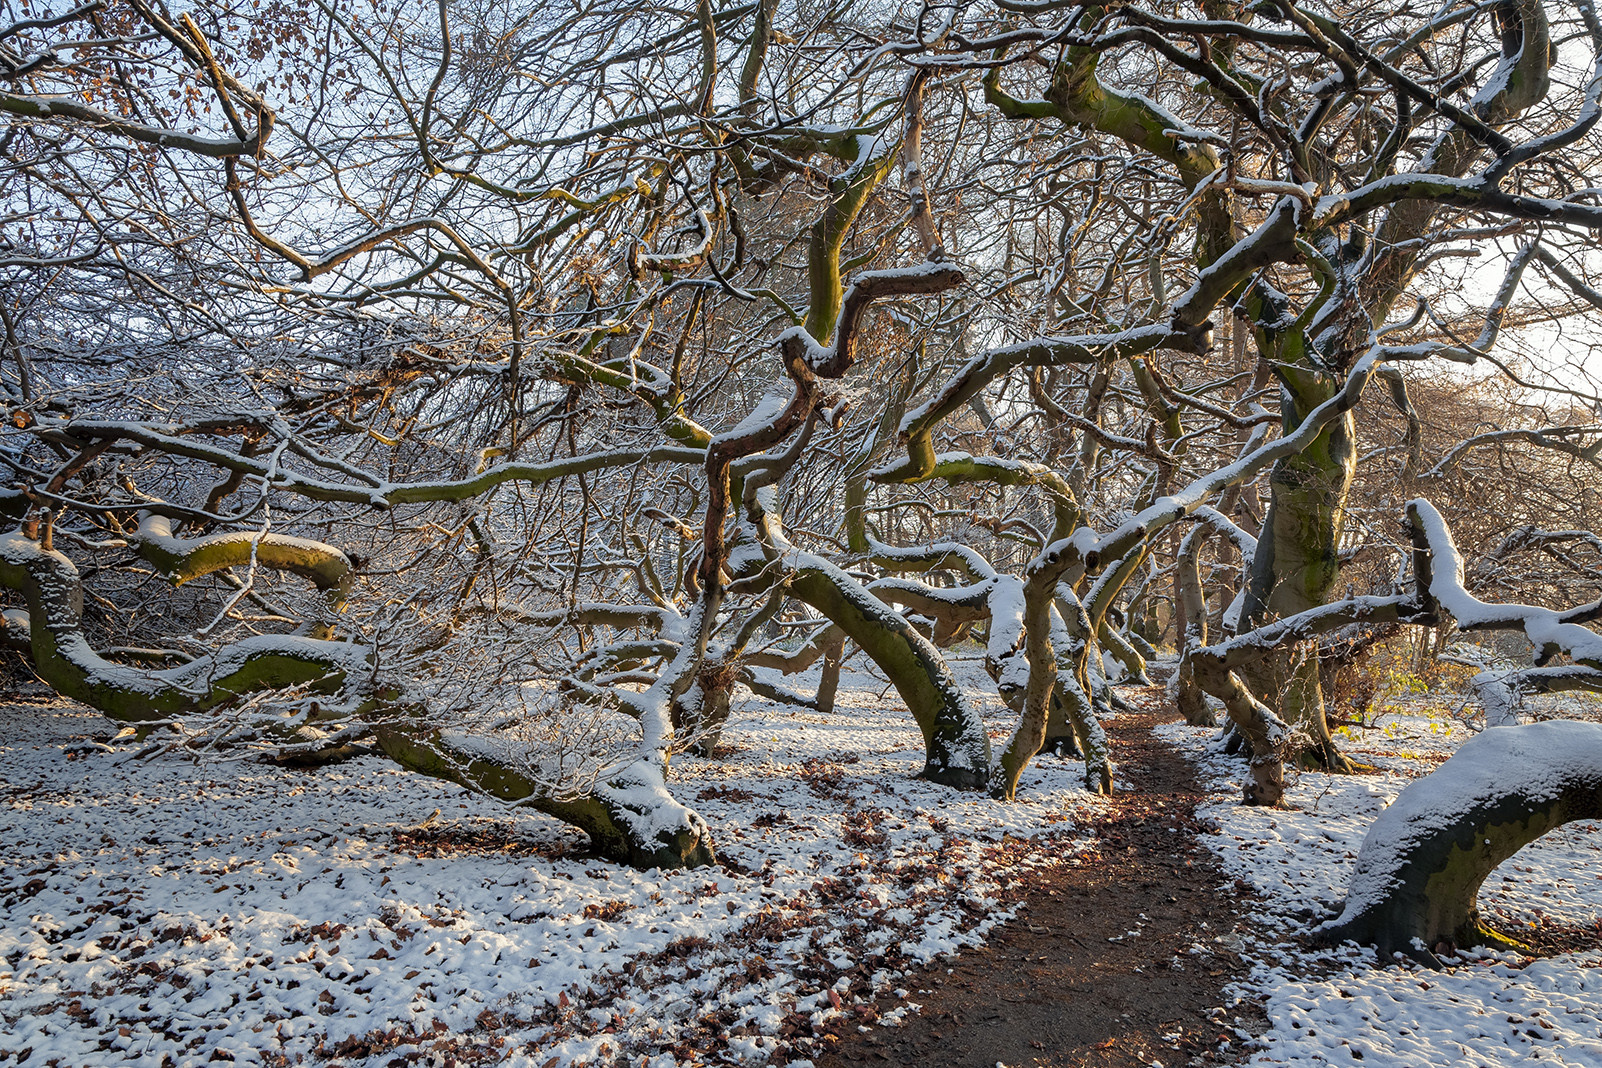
[[1124, 960], [160, 910]]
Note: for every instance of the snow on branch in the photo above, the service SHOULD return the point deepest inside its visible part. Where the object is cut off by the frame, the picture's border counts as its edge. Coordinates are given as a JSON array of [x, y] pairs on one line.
[[63, 657], [1550, 632], [835, 359]]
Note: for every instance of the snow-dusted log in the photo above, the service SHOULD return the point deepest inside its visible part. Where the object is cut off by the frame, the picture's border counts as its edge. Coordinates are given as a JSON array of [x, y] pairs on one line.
[[625, 807], [1422, 864], [627, 812]]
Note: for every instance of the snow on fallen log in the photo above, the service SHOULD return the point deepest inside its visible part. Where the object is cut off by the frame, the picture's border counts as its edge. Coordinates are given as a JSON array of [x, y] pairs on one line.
[[1421, 866]]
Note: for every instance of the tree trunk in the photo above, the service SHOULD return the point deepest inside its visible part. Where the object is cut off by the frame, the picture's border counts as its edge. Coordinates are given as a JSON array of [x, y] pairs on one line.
[[1062, 738], [701, 712], [829, 682], [957, 749], [1297, 566], [956, 745]]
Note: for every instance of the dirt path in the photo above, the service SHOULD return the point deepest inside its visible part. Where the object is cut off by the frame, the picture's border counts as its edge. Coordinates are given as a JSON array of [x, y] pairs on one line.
[[1098, 970]]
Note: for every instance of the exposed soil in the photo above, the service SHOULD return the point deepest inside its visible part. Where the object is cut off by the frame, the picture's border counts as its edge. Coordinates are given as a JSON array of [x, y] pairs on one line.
[[1121, 960]]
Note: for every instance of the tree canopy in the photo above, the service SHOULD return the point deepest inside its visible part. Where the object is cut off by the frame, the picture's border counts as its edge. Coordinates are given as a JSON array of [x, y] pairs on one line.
[[503, 385]]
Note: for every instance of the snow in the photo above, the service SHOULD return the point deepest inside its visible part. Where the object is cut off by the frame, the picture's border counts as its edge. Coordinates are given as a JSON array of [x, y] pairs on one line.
[[773, 402], [157, 910], [1341, 1006], [1544, 627], [1007, 604]]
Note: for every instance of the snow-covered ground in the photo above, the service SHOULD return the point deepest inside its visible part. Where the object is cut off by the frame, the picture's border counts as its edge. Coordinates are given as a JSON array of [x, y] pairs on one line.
[[165, 912], [1341, 1006]]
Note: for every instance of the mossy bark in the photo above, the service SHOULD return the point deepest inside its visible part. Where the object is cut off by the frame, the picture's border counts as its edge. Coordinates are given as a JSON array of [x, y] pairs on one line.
[[1189, 698], [622, 819], [1297, 564], [957, 750], [186, 559], [702, 711], [1052, 691], [1124, 652], [63, 658]]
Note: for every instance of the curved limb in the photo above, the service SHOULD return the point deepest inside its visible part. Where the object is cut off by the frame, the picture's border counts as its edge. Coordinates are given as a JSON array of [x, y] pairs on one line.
[[1052, 655], [817, 645], [185, 559], [63, 658], [630, 818], [1217, 668], [957, 747], [1123, 651], [778, 694], [1071, 726], [1425, 857], [1065, 723]]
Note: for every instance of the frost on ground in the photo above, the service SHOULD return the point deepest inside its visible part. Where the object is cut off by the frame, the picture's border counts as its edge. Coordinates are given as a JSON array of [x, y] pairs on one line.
[[1339, 1006], [163, 912]]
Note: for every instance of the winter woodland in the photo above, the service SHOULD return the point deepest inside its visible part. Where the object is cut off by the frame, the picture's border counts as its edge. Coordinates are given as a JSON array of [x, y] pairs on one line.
[[763, 446]]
